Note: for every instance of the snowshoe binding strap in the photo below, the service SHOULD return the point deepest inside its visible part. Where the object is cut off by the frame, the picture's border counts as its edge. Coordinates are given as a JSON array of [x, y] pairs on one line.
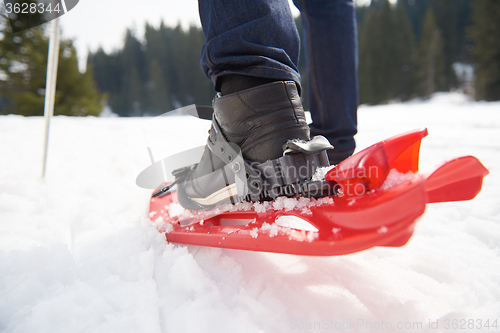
[[289, 175], [179, 175], [316, 145]]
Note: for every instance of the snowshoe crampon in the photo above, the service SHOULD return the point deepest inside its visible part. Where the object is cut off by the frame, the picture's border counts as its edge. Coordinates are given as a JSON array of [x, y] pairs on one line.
[[380, 195]]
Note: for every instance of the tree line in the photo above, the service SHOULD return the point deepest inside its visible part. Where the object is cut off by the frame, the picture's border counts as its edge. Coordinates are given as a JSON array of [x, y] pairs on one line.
[[23, 67], [408, 49], [158, 74]]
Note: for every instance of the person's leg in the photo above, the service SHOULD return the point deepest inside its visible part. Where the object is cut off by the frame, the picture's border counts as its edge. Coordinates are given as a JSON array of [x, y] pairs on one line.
[[255, 39], [331, 52]]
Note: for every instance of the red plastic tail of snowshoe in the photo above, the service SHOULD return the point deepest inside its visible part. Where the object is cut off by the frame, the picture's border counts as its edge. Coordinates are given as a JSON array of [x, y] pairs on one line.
[[457, 180]]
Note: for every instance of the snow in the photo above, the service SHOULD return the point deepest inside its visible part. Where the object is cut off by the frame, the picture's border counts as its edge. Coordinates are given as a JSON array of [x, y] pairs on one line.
[[320, 173], [79, 254], [395, 178], [175, 213]]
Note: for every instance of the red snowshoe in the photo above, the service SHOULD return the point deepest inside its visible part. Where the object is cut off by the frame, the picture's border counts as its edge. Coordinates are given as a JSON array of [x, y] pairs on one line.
[[378, 197]]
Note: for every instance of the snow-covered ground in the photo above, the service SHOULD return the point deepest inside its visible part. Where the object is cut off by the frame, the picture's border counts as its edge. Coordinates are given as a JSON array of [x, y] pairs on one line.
[[78, 254]]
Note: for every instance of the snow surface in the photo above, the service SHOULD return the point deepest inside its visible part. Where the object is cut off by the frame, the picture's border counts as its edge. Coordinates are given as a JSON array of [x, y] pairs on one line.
[[79, 254]]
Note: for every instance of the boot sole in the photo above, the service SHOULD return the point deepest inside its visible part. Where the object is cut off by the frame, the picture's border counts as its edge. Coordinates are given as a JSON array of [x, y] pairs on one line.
[[218, 196]]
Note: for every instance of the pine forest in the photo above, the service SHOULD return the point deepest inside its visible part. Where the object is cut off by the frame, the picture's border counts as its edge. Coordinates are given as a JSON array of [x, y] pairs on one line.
[[407, 49]]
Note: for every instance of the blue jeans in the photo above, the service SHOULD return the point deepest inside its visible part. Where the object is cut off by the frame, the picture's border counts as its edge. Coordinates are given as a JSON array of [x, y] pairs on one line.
[[259, 38]]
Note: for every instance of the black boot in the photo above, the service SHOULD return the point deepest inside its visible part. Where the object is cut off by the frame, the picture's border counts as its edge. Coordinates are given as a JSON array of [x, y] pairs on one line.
[[257, 122]]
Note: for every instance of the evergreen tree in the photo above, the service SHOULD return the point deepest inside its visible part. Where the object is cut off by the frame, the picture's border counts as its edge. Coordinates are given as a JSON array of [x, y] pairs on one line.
[[485, 33], [133, 76], [385, 60], [430, 61], [446, 20], [187, 83], [416, 10], [157, 58], [404, 55], [361, 12], [106, 70], [368, 70], [155, 76], [464, 19], [23, 67], [201, 90], [158, 91], [452, 17], [23, 59], [77, 94]]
